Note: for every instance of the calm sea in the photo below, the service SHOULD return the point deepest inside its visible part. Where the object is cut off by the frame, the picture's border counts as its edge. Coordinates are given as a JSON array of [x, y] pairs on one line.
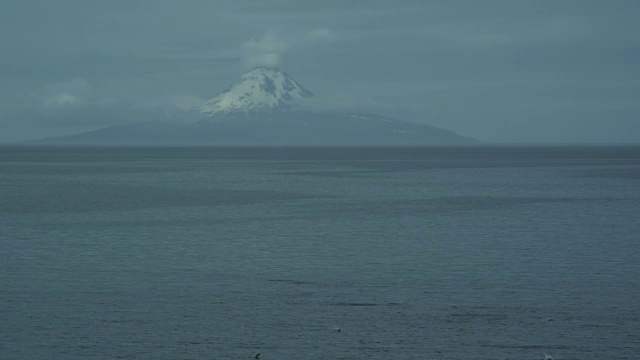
[[413, 253]]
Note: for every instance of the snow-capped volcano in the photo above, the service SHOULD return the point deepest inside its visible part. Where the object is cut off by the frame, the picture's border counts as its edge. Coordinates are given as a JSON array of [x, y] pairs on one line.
[[261, 89], [260, 109]]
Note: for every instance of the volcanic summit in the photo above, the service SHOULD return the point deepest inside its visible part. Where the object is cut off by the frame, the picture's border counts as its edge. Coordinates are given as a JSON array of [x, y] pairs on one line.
[[261, 89]]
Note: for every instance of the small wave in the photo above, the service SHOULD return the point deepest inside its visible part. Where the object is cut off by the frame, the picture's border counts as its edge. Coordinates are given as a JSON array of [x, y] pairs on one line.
[[364, 304], [290, 281], [527, 347], [354, 304]]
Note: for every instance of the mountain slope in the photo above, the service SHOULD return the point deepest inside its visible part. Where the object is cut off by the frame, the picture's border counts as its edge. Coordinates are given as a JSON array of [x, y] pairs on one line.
[[278, 128], [310, 128]]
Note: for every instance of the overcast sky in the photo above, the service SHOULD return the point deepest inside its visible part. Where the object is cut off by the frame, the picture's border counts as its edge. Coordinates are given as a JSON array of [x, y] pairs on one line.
[[497, 70]]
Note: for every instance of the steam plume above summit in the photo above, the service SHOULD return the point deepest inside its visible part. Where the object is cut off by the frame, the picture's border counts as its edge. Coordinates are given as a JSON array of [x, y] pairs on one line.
[[265, 52], [268, 50]]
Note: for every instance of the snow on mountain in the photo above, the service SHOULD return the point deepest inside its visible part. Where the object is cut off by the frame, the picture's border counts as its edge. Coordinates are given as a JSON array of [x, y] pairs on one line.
[[261, 89]]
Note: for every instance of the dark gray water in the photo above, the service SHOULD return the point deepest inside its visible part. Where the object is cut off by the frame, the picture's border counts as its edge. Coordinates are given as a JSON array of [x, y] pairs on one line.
[[205, 253]]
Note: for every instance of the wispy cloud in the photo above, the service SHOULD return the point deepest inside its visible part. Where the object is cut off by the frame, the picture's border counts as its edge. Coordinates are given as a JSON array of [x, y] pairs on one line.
[[476, 33], [317, 36], [346, 104], [186, 102], [72, 93]]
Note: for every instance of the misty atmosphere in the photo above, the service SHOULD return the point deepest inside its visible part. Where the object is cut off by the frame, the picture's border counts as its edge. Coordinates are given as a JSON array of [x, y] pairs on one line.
[[495, 71], [279, 179]]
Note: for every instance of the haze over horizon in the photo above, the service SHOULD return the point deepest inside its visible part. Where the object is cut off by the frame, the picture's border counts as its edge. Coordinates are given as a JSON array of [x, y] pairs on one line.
[[498, 71]]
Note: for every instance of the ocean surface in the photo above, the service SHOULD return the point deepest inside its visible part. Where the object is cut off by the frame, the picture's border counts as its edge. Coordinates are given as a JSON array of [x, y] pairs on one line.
[[413, 253]]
